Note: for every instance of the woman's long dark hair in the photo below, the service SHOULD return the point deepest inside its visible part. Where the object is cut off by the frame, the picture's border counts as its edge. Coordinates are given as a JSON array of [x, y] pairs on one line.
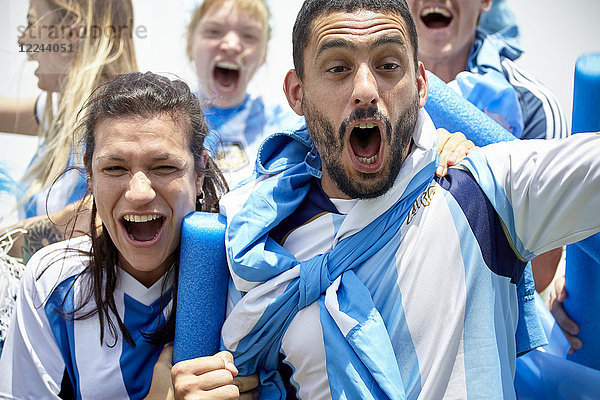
[[145, 95]]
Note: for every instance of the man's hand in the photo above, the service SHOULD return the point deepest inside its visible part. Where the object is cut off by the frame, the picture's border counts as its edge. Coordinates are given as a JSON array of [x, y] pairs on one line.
[[452, 148], [555, 305], [212, 378]]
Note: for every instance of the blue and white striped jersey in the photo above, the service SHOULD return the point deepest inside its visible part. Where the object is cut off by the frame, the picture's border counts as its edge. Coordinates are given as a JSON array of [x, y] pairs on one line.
[[237, 132], [542, 113], [46, 354], [445, 284], [423, 264], [495, 84]]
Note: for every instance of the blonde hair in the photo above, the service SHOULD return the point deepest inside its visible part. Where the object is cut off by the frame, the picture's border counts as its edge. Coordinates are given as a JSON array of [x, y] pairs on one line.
[[253, 7], [104, 51]]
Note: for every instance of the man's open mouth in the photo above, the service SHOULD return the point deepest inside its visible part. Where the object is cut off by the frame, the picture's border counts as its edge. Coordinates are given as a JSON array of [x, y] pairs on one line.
[[365, 142], [142, 228], [436, 17], [226, 75]]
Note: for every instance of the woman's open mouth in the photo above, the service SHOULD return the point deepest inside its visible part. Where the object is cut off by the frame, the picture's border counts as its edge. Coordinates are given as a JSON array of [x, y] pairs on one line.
[[226, 75], [436, 17], [143, 228], [366, 144]]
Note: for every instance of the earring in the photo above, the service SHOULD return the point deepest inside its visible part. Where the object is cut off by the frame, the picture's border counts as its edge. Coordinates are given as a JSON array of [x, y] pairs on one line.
[[200, 201], [88, 181]]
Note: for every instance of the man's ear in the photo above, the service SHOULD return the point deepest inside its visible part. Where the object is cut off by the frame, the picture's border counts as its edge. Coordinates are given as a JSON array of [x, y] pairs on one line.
[[292, 87], [422, 84], [486, 5]]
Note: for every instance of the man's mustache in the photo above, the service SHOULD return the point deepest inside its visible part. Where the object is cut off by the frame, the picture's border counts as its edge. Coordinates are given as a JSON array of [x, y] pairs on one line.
[[363, 113]]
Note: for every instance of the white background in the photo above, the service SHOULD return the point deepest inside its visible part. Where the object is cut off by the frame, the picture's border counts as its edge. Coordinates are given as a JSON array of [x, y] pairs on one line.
[[554, 34]]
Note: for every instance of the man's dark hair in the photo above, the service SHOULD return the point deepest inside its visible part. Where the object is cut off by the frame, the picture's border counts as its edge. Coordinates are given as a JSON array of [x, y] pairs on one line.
[[311, 9]]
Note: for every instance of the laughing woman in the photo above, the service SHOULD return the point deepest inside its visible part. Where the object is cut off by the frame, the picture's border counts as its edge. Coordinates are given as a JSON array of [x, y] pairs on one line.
[[93, 313]]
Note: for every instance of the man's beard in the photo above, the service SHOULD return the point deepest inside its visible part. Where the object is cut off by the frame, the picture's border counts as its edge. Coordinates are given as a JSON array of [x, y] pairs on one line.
[[331, 146]]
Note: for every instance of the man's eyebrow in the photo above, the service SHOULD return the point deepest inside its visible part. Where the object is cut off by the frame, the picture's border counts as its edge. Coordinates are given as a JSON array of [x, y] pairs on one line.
[[334, 43], [341, 43], [389, 39]]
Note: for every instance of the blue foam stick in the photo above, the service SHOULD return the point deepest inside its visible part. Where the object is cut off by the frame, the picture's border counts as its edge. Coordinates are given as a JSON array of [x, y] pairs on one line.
[[451, 111], [582, 274], [582, 277], [202, 292], [586, 94]]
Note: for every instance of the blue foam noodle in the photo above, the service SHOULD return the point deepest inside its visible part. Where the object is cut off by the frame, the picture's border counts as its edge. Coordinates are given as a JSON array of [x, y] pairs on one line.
[[582, 279], [582, 274], [586, 94], [202, 292], [451, 111]]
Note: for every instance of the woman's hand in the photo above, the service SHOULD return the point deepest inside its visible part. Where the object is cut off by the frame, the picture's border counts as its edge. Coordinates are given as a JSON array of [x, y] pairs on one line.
[[452, 148]]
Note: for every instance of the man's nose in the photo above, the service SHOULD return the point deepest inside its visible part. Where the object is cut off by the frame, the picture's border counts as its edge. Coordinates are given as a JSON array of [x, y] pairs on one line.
[[365, 87], [140, 191]]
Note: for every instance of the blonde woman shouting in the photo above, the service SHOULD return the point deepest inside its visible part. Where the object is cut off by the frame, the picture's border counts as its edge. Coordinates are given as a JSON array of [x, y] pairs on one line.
[[78, 45]]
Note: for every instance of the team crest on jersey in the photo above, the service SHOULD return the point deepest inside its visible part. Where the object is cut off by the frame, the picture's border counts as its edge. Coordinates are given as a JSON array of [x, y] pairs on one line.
[[231, 156]]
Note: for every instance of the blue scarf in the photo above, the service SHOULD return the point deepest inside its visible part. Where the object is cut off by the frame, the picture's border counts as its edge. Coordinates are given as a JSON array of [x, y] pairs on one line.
[[279, 286]]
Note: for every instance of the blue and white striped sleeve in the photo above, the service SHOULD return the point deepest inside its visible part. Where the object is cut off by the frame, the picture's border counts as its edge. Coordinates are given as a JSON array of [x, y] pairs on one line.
[[545, 192]]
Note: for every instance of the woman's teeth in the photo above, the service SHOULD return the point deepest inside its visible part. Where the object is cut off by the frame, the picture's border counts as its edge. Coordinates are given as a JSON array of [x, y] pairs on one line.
[[140, 218]]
